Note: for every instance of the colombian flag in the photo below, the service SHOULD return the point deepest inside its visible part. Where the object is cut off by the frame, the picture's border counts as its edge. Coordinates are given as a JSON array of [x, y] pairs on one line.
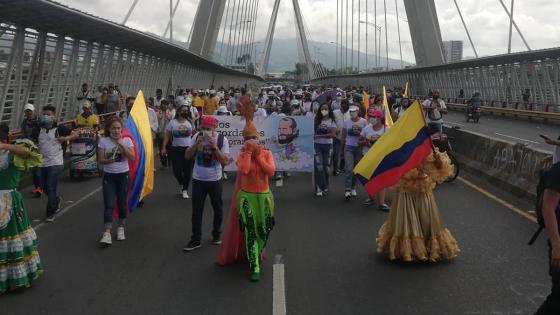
[[402, 148], [137, 127]]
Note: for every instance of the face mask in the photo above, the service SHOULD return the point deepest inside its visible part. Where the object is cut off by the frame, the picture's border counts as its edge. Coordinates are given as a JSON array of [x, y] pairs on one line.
[[338, 98], [324, 113], [354, 114], [372, 121], [207, 133], [46, 120], [184, 114]]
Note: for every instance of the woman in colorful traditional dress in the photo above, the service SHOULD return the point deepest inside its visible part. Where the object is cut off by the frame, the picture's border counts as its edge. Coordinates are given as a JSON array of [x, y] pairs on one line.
[[255, 203], [414, 230], [19, 259]]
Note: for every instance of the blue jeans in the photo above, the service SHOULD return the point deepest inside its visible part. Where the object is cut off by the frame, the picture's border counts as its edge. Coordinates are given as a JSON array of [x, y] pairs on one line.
[[115, 186], [352, 155], [36, 177], [49, 183], [335, 153], [322, 162]]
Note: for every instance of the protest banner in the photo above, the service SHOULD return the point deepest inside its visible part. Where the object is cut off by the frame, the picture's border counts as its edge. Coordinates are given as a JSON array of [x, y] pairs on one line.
[[289, 138]]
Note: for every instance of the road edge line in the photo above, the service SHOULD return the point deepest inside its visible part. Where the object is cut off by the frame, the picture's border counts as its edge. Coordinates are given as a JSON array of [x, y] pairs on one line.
[[278, 287], [64, 210], [498, 200]]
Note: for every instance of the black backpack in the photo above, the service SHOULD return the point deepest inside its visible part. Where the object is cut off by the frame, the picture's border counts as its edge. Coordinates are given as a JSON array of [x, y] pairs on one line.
[[543, 174]]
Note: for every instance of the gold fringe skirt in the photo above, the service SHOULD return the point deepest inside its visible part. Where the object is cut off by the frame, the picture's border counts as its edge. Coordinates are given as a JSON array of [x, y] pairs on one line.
[[414, 230]]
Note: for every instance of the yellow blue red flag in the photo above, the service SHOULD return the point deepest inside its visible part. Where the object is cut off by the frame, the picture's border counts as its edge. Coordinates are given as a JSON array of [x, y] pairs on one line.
[[402, 148], [142, 167]]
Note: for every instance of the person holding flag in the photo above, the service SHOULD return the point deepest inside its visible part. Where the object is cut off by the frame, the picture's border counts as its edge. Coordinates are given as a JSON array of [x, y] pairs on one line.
[[136, 161], [405, 156]]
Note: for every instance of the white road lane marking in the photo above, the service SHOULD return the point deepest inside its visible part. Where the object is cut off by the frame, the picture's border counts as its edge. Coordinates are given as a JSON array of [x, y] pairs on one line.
[[520, 139], [64, 210], [278, 287], [454, 123]]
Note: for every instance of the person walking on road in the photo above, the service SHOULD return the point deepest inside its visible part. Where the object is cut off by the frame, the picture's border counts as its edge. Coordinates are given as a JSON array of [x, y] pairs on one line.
[[114, 152], [20, 263], [179, 131], [369, 135], [210, 151], [253, 212], [351, 130], [325, 131], [30, 130], [414, 230], [51, 140]]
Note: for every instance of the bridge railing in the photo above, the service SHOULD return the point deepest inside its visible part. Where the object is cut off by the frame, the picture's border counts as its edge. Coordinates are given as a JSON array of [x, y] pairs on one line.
[[47, 51]]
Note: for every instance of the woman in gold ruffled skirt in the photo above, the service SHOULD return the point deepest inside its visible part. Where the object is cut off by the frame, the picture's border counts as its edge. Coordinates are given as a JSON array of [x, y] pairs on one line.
[[414, 230]]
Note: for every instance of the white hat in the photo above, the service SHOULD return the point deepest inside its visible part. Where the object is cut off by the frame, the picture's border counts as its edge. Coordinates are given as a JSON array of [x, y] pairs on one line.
[[222, 109], [294, 102], [29, 107], [271, 93], [353, 108]]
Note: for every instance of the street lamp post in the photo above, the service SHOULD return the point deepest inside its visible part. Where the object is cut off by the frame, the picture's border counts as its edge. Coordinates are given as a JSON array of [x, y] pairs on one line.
[[377, 45]]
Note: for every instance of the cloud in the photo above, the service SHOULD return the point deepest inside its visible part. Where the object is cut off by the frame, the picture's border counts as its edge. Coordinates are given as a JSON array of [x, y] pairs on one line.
[[486, 20]]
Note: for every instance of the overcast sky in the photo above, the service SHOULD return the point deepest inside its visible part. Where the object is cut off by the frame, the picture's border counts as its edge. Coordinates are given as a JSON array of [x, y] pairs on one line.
[[486, 20]]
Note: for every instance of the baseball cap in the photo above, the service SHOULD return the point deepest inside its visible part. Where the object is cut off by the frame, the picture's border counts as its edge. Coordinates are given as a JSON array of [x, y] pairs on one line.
[[353, 108], [29, 107]]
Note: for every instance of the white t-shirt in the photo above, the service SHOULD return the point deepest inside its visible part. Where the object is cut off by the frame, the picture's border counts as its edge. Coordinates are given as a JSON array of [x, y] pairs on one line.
[[181, 133], [50, 148], [113, 150], [340, 118], [152, 116], [353, 130], [261, 112], [206, 167], [307, 106], [371, 135], [325, 128], [436, 115]]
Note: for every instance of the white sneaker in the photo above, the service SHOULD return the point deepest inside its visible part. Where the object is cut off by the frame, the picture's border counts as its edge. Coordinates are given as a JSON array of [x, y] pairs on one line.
[[106, 239], [120, 234], [347, 195], [319, 193], [185, 194], [354, 193]]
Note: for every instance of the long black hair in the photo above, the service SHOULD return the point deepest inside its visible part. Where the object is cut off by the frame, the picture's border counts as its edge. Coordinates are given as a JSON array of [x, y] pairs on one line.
[[319, 116], [4, 132]]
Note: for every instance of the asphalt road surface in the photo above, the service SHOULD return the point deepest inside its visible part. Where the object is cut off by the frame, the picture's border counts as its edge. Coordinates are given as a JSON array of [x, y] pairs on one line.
[[326, 247], [516, 130]]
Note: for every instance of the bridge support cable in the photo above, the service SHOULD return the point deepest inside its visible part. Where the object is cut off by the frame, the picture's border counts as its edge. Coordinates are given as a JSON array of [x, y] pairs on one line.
[[253, 43], [235, 33], [303, 38], [229, 45], [515, 24], [359, 30], [336, 40], [172, 16], [242, 27], [377, 48], [466, 28], [346, 39], [352, 39], [192, 27], [224, 32], [134, 3], [171, 21], [263, 64], [238, 29], [399, 32], [246, 31], [386, 36], [510, 26], [367, 23], [250, 34]]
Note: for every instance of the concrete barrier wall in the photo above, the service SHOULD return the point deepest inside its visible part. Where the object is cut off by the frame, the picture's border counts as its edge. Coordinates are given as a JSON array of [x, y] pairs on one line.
[[511, 166]]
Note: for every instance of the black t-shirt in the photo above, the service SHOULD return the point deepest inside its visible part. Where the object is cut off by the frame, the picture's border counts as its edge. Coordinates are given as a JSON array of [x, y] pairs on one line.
[[553, 182]]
